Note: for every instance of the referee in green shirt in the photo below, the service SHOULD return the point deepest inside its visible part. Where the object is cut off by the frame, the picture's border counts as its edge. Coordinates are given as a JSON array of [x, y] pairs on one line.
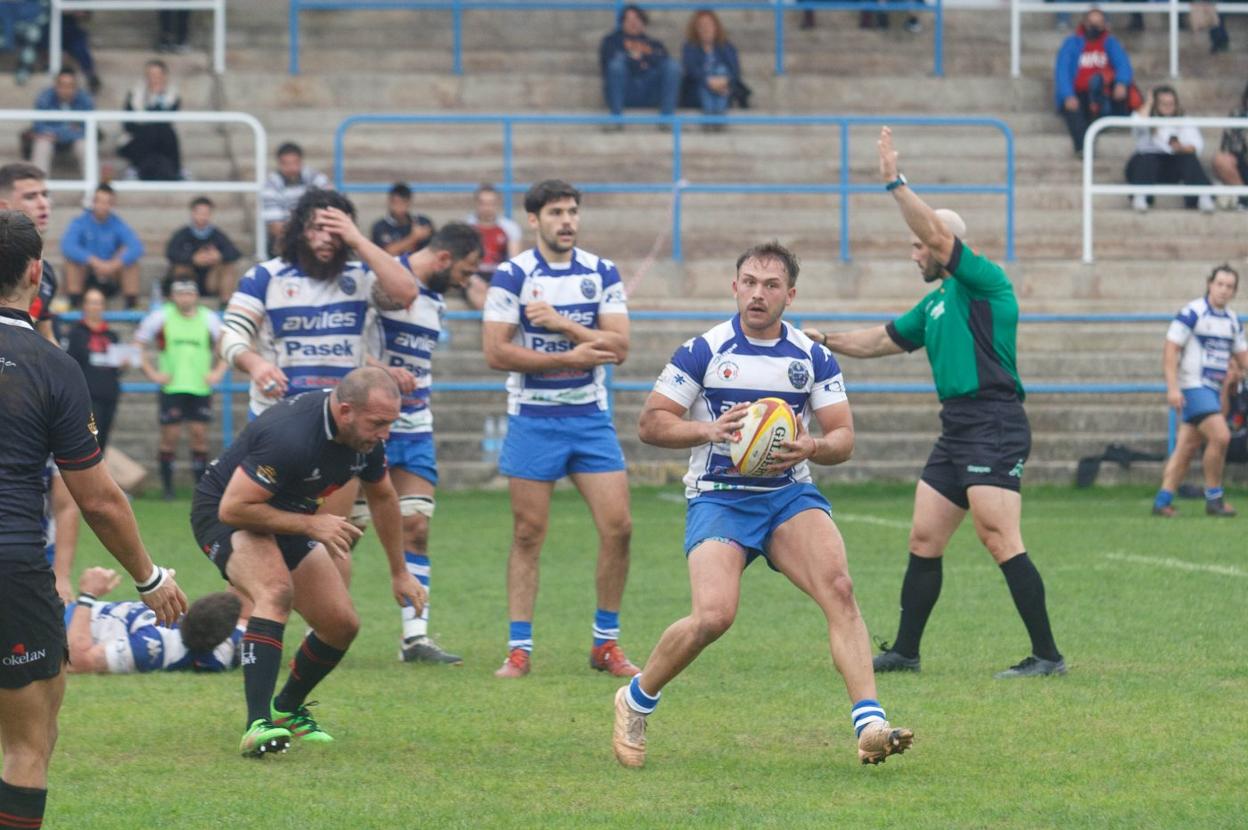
[[968, 325]]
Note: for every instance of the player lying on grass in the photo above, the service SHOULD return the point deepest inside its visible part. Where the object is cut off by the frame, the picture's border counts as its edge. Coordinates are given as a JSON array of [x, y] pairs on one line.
[[779, 514], [125, 638]]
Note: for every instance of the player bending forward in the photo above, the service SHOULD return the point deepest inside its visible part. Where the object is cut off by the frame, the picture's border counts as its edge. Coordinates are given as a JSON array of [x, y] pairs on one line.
[[732, 519]]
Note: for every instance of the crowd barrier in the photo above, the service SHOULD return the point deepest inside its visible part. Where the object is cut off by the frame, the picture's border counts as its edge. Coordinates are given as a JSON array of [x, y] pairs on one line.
[[217, 7]]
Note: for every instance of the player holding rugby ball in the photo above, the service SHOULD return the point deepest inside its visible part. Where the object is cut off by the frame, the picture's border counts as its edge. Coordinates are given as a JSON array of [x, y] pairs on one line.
[[770, 510]]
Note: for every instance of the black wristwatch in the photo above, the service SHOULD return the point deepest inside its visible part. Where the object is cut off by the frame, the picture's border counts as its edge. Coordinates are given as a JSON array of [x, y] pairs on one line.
[[900, 181]]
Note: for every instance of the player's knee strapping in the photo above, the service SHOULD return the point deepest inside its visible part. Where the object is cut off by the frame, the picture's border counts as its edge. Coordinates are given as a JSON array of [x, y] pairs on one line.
[[417, 506]]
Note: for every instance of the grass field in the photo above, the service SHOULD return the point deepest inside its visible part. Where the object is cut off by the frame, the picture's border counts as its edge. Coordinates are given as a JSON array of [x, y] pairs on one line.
[[1149, 729]]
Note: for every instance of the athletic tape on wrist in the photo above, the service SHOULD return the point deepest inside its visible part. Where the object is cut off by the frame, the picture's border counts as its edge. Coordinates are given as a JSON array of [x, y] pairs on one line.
[[153, 583], [86, 600]]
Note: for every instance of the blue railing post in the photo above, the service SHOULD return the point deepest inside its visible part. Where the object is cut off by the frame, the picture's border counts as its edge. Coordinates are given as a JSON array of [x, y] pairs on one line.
[[457, 28], [293, 24], [779, 24], [508, 183], [938, 40], [227, 408], [678, 248], [844, 191]]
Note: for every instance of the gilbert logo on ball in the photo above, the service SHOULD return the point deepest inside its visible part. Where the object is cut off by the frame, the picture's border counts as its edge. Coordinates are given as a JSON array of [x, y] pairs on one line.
[[768, 423]]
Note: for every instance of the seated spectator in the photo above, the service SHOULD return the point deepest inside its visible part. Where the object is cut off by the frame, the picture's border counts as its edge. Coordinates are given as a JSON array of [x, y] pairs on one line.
[[399, 232], [868, 20], [153, 150], [94, 346], [201, 251], [636, 69], [101, 251], [124, 637], [32, 36], [283, 189], [1092, 77], [500, 241], [711, 66], [1230, 163], [1169, 154], [50, 137]]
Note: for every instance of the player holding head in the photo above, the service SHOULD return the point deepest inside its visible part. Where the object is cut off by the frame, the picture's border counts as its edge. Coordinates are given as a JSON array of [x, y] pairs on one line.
[[46, 410], [968, 324], [1203, 338], [554, 317], [402, 341], [255, 514], [124, 637], [733, 519]]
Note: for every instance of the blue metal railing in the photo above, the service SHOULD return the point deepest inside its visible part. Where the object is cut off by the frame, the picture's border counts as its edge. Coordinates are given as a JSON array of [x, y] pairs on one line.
[[229, 387], [679, 185], [778, 8]]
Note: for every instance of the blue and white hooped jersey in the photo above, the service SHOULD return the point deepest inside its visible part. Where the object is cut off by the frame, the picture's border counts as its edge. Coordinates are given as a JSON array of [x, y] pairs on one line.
[[1208, 338], [407, 338], [711, 373], [582, 291], [311, 329], [135, 644]]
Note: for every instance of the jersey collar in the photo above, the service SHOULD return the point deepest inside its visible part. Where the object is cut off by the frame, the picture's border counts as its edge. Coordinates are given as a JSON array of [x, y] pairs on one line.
[[331, 428], [545, 266], [16, 317]]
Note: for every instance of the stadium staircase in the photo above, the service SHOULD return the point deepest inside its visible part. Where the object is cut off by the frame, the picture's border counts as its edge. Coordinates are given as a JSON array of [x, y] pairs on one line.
[[546, 62]]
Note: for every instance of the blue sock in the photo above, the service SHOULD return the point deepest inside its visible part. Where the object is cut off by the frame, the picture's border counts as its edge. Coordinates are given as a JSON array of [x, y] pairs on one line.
[[520, 635], [864, 712], [1164, 498], [638, 700], [606, 626], [1213, 493]]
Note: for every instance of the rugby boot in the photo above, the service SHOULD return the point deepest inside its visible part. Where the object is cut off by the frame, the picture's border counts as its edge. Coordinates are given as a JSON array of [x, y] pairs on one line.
[[609, 658], [516, 664], [1166, 511], [1219, 507], [879, 740], [628, 738], [425, 650], [300, 723], [263, 738], [888, 660], [1033, 666]]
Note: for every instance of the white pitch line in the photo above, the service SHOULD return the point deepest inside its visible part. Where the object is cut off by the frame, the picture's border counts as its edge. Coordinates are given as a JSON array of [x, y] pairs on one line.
[[1177, 564], [862, 518]]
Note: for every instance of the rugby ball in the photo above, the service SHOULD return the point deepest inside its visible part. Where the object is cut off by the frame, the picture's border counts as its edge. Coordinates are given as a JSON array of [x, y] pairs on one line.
[[768, 422]]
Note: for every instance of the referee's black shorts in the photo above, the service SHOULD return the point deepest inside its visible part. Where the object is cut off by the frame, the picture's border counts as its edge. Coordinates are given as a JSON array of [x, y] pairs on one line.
[[981, 443], [32, 620], [215, 538]]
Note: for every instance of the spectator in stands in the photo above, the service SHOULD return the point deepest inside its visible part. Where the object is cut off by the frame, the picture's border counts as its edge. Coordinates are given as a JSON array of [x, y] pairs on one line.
[[399, 231], [101, 251], [1230, 163], [153, 150], [173, 31], [500, 241], [201, 251], [711, 66], [283, 189], [48, 137], [94, 345], [869, 20], [1092, 76], [636, 69], [1168, 154], [32, 36]]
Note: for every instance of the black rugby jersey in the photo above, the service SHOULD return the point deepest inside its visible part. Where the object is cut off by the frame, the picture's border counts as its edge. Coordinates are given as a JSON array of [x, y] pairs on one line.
[[44, 409], [291, 452]]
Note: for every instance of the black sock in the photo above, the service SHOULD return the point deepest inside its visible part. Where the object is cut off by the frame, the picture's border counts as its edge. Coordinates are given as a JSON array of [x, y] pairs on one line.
[[199, 464], [312, 662], [166, 471], [75, 301], [21, 806], [1027, 588], [919, 592], [132, 302], [262, 659]]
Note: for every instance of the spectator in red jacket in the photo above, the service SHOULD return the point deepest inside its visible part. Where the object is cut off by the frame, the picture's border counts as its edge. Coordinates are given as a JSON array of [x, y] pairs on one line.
[[1092, 77]]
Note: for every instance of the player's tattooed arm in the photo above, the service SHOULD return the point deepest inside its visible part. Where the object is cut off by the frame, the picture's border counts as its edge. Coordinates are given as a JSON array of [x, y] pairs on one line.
[[393, 280]]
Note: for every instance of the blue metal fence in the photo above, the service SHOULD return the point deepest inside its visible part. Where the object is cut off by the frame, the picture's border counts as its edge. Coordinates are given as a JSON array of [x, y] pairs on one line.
[[229, 387], [679, 185], [777, 8]]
